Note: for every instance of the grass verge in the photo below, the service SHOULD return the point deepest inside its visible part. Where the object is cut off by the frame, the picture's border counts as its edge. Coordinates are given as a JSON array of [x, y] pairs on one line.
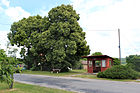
[[27, 88], [73, 72]]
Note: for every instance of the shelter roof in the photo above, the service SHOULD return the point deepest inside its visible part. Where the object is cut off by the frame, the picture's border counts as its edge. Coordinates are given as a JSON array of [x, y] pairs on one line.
[[98, 56]]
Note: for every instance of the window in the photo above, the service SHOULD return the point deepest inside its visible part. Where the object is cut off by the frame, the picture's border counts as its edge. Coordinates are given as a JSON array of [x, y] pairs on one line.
[[98, 63], [103, 63]]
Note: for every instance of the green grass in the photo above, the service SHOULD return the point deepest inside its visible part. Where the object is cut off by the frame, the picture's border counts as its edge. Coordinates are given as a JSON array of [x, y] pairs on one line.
[[89, 76], [73, 72], [27, 88]]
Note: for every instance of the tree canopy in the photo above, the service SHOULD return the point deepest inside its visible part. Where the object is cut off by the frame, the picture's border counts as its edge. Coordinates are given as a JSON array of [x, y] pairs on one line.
[[56, 41], [96, 54], [25, 33]]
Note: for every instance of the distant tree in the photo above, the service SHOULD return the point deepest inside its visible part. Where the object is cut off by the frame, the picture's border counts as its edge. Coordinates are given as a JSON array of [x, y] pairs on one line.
[[134, 62], [116, 61], [12, 52], [96, 53]]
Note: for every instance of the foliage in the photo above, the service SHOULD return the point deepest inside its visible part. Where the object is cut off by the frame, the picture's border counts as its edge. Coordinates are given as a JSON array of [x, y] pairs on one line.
[[116, 61], [119, 72], [25, 34], [134, 62], [68, 45], [7, 68], [83, 59], [78, 65], [96, 54], [56, 41]]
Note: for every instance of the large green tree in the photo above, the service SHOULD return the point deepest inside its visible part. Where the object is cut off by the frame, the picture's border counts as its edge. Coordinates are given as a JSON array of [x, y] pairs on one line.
[[57, 41], [25, 33], [68, 37]]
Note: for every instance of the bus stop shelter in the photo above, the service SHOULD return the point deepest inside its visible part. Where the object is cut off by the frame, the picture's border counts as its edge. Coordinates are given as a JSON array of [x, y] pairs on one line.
[[98, 63]]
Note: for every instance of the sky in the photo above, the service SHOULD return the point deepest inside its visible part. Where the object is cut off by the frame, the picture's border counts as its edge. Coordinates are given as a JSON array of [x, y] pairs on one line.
[[100, 19]]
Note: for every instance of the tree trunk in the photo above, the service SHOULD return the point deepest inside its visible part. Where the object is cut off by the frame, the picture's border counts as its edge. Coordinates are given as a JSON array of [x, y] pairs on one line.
[[41, 68], [12, 83]]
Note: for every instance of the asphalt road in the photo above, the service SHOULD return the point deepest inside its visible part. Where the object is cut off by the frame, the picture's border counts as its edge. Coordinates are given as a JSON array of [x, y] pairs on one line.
[[80, 85]]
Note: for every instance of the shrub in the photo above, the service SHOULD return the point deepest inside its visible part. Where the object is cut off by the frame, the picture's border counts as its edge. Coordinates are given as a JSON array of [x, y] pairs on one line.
[[134, 62], [119, 72], [7, 68], [116, 61]]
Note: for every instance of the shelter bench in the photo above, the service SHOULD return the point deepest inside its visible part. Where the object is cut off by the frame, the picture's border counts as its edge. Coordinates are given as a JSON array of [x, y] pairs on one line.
[[56, 70]]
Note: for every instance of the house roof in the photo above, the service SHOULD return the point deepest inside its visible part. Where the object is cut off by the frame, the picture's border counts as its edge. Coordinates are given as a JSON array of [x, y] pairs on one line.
[[98, 56]]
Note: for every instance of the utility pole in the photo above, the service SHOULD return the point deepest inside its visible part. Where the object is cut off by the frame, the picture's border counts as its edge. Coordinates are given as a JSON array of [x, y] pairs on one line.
[[119, 45]]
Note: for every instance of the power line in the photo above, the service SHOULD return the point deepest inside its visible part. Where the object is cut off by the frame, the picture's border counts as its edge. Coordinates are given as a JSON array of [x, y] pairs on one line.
[[118, 38], [131, 44], [100, 30]]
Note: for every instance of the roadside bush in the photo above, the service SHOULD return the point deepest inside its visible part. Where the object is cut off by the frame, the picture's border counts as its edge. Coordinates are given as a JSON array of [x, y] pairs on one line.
[[7, 68], [134, 62], [116, 61], [119, 72]]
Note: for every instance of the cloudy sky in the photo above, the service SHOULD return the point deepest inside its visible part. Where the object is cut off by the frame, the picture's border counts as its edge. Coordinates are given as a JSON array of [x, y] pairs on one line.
[[100, 19]]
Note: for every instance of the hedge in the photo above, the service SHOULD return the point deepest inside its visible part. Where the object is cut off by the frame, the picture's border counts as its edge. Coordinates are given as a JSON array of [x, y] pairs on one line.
[[119, 72]]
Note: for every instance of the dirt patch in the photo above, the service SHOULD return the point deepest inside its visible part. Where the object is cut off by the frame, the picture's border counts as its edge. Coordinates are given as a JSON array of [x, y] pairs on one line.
[[8, 90]]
